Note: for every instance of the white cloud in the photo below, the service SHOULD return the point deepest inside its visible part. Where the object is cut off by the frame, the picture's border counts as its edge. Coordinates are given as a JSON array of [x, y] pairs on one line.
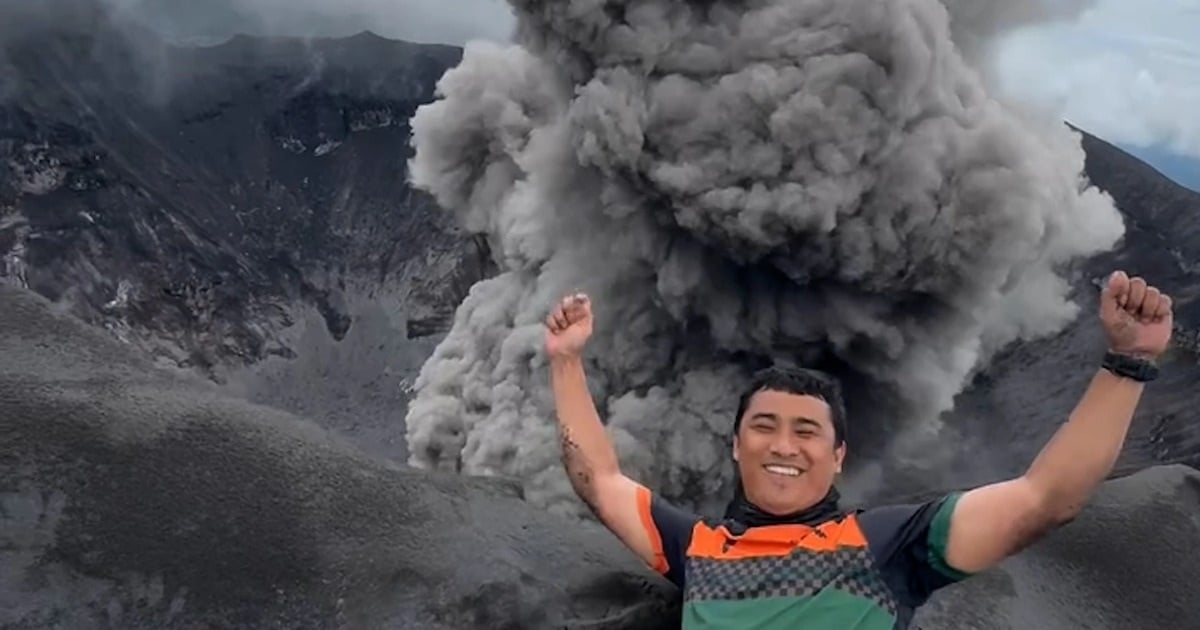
[[1128, 71]]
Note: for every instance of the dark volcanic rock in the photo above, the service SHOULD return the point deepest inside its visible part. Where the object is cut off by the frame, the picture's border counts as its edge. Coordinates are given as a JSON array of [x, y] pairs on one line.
[[217, 206], [197, 200], [242, 210], [1124, 564], [132, 498]]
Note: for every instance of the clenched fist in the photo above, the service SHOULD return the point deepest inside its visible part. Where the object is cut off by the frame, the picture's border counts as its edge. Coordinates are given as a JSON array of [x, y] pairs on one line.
[[568, 327], [1137, 318]]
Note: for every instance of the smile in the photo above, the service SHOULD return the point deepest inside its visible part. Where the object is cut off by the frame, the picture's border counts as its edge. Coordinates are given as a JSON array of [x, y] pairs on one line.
[[780, 469]]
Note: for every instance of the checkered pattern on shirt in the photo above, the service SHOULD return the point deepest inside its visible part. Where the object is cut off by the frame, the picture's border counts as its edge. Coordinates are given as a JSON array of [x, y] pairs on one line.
[[801, 573]]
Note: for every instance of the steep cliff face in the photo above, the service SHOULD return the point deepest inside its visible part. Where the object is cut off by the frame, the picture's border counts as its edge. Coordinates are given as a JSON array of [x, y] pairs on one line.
[[227, 205], [192, 202]]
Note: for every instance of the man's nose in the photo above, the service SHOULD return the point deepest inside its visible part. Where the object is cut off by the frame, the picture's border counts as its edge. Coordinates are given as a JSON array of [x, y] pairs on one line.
[[784, 444]]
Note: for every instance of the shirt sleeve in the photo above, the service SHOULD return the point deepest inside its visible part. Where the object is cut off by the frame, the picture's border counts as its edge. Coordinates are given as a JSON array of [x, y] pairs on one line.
[[670, 530], [909, 546]]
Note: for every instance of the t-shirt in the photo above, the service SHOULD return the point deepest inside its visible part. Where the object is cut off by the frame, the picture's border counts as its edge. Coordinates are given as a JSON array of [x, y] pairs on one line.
[[862, 570]]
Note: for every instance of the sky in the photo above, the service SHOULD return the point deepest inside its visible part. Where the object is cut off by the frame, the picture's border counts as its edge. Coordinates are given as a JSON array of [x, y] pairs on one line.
[[1125, 70]]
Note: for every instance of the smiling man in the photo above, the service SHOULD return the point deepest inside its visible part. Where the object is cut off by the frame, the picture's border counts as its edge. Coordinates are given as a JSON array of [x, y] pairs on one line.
[[785, 555]]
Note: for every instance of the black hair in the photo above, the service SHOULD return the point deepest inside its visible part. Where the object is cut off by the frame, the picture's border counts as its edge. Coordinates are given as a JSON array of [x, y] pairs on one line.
[[802, 382]]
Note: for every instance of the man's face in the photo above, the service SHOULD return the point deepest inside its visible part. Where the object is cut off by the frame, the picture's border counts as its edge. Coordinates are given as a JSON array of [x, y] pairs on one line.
[[785, 451]]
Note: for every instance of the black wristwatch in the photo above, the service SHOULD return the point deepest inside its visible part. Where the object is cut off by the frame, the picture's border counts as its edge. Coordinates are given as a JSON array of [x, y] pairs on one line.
[[1136, 368]]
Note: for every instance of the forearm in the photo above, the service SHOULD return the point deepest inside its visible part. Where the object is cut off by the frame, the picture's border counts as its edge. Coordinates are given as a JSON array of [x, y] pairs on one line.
[[587, 452], [1084, 450]]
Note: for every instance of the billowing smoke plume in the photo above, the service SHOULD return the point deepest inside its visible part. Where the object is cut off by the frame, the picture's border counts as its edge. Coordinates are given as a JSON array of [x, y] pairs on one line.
[[735, 183]]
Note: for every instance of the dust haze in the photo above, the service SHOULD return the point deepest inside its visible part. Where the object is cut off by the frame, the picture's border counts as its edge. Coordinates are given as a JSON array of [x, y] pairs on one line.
[[736, 184], [213, 21], [141, 36]]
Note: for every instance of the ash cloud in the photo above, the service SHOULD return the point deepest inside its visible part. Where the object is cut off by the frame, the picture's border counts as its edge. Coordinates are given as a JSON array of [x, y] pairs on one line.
[[975, 24], [735, 184]]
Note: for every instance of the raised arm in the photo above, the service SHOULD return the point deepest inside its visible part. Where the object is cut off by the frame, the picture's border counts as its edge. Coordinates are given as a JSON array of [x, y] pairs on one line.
[[992, 522], [622, 505], [591, 462]]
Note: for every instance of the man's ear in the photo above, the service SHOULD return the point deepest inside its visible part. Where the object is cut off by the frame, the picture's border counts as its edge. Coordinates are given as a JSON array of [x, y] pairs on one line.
[[735, 448], [839, 456]]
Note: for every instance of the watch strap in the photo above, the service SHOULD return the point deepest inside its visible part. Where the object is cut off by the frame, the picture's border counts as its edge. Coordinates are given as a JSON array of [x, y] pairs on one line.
[[1136, 368]]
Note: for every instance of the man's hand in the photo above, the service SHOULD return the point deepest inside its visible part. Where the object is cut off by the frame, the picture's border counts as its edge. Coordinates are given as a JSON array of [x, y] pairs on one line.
[[568, 327], [995, 521], [1137, 318]]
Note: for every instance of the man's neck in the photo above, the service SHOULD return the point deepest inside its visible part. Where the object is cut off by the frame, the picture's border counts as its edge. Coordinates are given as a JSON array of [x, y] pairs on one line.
[[745, 513]]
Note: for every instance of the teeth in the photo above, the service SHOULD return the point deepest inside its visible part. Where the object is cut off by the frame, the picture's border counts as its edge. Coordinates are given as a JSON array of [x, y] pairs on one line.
[[783, 470]]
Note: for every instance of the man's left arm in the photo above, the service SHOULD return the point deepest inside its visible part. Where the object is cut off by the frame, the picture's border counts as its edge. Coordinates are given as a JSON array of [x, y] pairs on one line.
[[992, 522], [995, 521]]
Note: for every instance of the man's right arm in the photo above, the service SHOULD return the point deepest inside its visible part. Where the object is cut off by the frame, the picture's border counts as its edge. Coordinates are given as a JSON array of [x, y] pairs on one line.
[[652, 530]]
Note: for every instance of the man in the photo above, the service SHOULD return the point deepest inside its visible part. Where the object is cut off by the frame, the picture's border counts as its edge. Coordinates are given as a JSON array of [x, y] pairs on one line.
[[785, 555]]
